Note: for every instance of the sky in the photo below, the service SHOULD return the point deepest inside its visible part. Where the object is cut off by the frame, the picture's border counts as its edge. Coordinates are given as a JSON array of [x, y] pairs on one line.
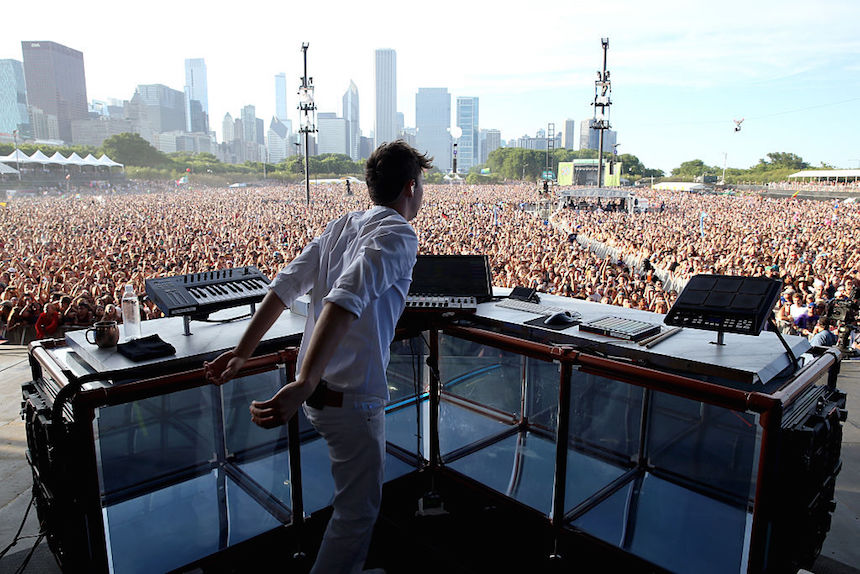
[[681, 71]]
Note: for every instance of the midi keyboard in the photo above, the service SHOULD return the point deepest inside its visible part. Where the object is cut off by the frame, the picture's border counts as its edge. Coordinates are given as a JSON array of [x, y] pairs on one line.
[[530, 307], [199, 294], [441, 304]]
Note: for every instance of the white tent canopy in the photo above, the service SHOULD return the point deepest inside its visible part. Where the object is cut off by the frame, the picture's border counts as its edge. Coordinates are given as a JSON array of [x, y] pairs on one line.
[[5, 169], [58, 159], [39, 157], [91, 160], [106, 161], [16, 156]]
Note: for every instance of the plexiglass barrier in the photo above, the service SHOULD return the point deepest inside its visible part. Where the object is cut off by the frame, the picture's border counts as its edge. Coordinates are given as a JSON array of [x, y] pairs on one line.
[[185, 474], [670, 479], [151, 440], [647, 471]]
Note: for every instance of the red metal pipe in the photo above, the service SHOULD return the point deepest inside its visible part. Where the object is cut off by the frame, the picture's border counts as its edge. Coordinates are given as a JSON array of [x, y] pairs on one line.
[[641, 376], [147, 388]]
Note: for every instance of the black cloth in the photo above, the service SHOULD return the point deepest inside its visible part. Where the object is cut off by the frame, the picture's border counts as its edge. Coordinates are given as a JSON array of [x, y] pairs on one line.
[[145, 348]]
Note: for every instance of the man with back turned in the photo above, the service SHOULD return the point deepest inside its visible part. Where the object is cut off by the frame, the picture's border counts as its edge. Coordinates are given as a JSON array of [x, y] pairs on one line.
[[358, 273]]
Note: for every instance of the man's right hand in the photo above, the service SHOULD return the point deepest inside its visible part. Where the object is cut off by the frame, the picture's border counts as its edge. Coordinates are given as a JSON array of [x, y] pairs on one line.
[[223, 368]]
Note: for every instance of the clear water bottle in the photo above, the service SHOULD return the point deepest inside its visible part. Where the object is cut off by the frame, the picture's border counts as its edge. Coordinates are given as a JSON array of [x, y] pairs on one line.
[[130, 314]]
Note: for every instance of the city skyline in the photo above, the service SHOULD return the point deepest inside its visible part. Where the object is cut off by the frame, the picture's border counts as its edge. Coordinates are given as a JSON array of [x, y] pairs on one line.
[[681, 74]]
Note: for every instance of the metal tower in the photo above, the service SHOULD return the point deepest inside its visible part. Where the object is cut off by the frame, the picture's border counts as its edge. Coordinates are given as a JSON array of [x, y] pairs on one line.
[[549, 174], [307, 107], [602, 91]]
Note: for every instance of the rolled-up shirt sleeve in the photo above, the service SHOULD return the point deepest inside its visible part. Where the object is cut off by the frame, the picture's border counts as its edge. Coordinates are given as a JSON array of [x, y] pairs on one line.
[[381, 262], [298, 277]]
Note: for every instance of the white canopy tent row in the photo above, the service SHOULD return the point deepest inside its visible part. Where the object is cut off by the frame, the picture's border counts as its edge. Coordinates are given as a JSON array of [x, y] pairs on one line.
[[38, 157]]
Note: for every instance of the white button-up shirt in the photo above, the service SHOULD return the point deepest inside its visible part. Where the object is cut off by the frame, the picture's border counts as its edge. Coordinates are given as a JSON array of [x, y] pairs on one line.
[[363, 263]]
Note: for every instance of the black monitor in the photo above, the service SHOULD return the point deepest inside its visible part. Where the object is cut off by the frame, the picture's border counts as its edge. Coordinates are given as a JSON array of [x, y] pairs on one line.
[[452, 276]]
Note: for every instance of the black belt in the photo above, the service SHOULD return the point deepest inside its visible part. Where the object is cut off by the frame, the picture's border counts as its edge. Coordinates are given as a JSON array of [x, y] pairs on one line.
[[325, 397]]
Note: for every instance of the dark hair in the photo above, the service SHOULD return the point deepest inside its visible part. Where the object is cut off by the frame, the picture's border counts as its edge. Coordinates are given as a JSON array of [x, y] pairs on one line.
[[390, 168]]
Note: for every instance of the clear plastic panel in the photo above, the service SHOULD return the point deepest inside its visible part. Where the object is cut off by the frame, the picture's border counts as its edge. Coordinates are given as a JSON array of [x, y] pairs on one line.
[[676, 528], [173, 526], [460, 427], [519, 466], [146, 441], [240, 434], [406, 377], [272, 474], [710, 446], [605, 416], [482, 374], [542, 379], [406, 427]]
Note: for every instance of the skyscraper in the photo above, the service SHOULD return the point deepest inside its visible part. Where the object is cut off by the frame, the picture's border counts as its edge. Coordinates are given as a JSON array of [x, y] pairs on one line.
[[249, 123], [589, 138], [44, 126], [569, 134], [433, 120], [385, 72], [228, 127], [333, 132], [196, 120], [162, 108], [56, 83], [260, 132], [195, 78], [277, 140], [350, 114], [492, 142], [13, 99], [468, 154], [196, 116], [281, 97]]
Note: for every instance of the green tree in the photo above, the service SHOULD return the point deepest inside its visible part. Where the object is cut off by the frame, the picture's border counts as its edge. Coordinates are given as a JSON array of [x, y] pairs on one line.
[[692, 168], [131, 149], [517, 163], [782, 160], [434, 177], [632, 165], [480, 179], [339, 164]]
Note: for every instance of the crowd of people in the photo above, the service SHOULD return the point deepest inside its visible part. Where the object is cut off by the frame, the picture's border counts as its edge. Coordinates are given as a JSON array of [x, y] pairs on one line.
[[66, 260]]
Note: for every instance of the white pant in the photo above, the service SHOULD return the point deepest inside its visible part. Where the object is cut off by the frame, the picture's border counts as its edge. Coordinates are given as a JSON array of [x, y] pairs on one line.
[[355, 434]]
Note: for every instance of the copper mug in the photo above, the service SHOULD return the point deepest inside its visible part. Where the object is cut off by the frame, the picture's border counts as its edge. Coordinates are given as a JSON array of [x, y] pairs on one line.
[[105, 333]]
